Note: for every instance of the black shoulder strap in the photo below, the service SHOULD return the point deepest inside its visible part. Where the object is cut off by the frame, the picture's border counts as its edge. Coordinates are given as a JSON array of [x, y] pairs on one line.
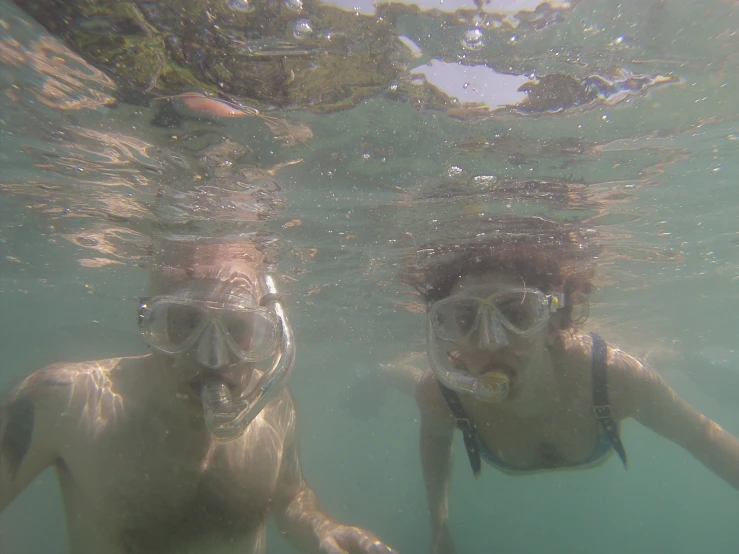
[[601, 408], [465, 425]]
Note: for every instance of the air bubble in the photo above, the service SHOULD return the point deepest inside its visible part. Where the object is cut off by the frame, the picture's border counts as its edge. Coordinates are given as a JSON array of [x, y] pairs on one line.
[[294, 5], [472, 39], [241, 5], [302, 29]]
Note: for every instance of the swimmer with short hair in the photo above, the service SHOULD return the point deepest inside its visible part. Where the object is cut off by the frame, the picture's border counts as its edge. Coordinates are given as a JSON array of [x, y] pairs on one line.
[[189, 448]]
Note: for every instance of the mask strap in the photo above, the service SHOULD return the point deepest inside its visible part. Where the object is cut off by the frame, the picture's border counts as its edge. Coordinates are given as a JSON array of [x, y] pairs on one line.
[[556, 301], [143, 306]]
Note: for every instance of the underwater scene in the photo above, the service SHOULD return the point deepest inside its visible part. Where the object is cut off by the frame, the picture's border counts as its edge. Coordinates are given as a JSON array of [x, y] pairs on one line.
[[356, 276]]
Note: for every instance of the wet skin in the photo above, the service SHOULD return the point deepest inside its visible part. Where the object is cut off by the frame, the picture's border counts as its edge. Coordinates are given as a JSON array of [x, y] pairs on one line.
[[547, 419], [140, 472]]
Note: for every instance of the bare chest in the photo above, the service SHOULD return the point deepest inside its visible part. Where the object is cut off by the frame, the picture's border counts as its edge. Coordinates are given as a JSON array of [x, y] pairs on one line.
[[146, 482], [560, 438]]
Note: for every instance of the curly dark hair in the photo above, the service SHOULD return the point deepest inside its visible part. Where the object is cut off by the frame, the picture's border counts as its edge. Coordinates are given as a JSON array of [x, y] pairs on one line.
[[551, 257]]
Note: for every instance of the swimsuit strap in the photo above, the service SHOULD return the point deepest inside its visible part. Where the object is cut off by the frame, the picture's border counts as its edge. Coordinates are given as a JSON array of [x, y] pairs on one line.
[[465, 425], [601, 408]]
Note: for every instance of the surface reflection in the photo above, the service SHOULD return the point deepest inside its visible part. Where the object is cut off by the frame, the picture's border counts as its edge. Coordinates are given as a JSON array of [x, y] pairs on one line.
[[142, 120]]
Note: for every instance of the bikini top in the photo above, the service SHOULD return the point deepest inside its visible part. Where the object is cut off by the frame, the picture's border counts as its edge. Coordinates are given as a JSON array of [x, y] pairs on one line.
[[609, 439]]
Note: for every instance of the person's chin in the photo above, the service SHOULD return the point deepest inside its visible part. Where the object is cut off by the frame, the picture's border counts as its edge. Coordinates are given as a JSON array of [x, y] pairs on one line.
[[516, 385]]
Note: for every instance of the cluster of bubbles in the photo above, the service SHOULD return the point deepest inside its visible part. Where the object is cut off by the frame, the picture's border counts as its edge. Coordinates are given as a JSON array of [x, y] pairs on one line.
[[249, 5], [301, 29]]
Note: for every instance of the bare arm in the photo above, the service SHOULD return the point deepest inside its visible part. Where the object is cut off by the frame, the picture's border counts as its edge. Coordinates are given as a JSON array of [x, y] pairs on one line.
[[642, 394], [437, 439], [404, 374], [29, 415], [301, 518]]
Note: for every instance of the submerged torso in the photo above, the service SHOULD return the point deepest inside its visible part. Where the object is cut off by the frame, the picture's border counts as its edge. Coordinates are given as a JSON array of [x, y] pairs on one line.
[[568, 439], [141, 474], [564, 435], [545, 455]]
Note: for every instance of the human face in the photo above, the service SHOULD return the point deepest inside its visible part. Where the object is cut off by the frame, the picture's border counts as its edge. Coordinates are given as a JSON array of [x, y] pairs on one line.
[[218, 326], [212, 321], [213, 327], [490, 324]]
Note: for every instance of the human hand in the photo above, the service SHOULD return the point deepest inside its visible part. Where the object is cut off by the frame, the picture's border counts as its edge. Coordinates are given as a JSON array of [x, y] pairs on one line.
[[352, 540]]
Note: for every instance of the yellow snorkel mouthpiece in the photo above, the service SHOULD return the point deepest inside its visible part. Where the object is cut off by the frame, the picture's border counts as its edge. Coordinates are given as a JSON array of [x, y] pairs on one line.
[[491, 387]]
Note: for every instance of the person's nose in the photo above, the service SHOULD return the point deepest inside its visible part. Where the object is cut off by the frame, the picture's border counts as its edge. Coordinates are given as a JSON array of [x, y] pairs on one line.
[[491, 335], [476, 360], [212, 349]]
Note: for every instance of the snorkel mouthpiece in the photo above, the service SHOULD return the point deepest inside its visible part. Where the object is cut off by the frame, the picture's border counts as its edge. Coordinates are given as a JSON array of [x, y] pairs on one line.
[[224, 417], [491, 387], [227, 416]]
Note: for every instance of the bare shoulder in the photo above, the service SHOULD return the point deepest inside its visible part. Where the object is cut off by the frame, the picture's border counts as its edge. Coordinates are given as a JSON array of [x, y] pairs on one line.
[[572, 350], [46, 383], [428, 394], [53, 388], [431, 402], [577, 349], [35, 422], [571, 344], [627, 376], [630, 381], [69, 373]]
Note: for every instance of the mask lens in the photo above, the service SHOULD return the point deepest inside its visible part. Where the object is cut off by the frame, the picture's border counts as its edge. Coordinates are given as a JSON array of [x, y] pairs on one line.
[[455, 319], [169, 326], [253, 333], [182, 322], [520, 310]]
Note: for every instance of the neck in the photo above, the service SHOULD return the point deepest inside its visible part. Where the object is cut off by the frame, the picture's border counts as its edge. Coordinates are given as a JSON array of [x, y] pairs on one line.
[[538, 393]]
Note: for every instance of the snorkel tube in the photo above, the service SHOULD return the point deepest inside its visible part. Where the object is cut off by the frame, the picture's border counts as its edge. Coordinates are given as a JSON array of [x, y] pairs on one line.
[[489, 387], [227, 417]]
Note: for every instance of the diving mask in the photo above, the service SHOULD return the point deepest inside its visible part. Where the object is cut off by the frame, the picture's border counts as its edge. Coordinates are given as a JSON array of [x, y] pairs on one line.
[[219, 326], [517, 310], [486, 322], [214, 323]]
